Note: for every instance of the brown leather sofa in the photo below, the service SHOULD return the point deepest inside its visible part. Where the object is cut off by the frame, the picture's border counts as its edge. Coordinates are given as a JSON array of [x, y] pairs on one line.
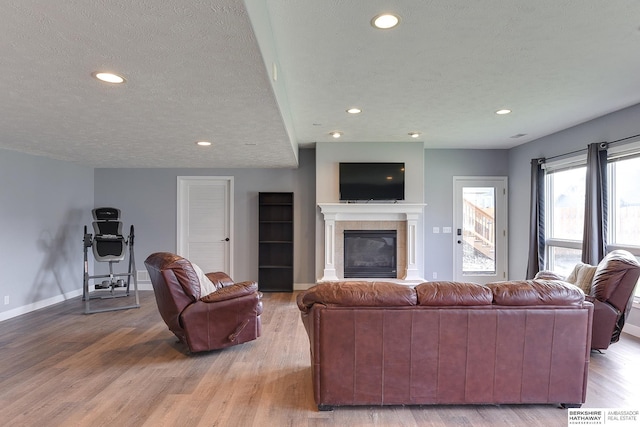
[[379, 343], [611, 291], [226, 317]]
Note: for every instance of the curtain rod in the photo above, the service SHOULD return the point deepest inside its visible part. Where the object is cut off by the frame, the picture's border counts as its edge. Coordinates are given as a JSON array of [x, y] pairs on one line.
[[585, 149]]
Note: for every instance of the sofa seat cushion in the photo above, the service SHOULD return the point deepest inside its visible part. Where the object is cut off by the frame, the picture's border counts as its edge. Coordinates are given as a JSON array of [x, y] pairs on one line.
[[536, 292], [358, 294], [453, 294]]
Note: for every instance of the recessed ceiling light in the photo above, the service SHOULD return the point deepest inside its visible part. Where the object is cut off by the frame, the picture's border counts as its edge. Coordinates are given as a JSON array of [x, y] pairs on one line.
[[504, 111], [354, 110], [336, 134], [108, 77], [414, 134], [203, 143], [385, 21]]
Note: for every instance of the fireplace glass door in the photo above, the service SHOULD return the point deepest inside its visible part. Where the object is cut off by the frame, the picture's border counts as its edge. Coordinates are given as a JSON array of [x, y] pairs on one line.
[[370, 253]]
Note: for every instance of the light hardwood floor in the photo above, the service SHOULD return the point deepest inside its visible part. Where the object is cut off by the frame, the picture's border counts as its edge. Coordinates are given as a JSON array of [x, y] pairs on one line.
[[59, 367]]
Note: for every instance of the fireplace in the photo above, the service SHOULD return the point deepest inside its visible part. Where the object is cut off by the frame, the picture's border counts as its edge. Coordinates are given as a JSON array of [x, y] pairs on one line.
[[404, 218], [370, 253]]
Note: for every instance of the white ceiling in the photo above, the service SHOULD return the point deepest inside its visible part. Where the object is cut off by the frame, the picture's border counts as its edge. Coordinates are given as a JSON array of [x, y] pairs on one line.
[[262, 78]]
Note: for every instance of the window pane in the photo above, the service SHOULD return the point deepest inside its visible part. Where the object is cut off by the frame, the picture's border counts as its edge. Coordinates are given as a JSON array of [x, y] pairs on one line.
[[626, 202], [563, 260], [478, 232], [566, 190]]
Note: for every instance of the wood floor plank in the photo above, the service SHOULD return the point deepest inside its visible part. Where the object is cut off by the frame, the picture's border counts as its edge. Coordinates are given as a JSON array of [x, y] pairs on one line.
[[60, 367]]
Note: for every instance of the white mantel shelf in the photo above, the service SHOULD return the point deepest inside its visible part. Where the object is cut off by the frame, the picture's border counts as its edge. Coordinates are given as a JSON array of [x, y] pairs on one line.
[[409, 212], [371, 211]]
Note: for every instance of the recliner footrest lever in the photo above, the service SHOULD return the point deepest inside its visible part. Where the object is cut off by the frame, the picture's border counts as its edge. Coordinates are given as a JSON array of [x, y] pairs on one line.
[[238, 330]]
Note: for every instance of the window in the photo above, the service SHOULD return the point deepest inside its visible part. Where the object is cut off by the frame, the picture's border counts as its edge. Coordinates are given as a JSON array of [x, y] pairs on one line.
[[565, 217], [624, 205]]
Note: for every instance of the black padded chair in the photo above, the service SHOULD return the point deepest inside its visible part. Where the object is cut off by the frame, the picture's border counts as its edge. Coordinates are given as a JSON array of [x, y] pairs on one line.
[[108, 243]]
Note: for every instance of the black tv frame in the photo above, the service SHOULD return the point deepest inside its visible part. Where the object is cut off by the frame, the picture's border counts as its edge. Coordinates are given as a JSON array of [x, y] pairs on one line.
[[371, 181]]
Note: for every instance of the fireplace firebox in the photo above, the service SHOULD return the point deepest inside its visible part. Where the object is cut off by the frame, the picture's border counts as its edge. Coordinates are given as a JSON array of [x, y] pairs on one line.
[[370, 253]]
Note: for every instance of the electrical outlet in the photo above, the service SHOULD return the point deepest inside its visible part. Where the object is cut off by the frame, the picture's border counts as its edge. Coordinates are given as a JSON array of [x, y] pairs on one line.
[[6, 300], [435, 275]]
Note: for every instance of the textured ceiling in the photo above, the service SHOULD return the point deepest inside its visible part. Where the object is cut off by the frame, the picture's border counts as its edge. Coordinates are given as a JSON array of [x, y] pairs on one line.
[[262, 78]]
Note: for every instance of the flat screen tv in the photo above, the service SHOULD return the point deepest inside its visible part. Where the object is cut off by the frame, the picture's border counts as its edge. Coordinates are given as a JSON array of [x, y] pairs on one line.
[[371, 181]]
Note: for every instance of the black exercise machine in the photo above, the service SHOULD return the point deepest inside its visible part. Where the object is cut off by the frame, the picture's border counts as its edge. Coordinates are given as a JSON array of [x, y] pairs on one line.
[[109, 245]]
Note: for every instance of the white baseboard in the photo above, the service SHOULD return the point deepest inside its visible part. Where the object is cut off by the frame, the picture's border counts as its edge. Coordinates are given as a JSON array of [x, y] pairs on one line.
[[38, 305], [15, 312], [302, 286], [631, 329]]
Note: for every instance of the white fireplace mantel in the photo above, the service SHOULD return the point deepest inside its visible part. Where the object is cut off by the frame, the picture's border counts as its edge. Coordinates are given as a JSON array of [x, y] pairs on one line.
[[409, 212], [370, 211]]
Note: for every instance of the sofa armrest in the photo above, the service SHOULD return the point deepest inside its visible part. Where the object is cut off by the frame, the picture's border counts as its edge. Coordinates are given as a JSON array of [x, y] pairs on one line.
[[232, 291], [605, 317], [220, 279]]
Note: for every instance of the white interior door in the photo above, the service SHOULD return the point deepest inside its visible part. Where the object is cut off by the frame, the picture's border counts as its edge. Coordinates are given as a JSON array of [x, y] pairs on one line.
[[205, 212], [480, 229]]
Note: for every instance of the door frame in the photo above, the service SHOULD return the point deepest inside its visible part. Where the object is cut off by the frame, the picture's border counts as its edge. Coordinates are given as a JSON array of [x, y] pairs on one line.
[[502, 229], [181, 214]]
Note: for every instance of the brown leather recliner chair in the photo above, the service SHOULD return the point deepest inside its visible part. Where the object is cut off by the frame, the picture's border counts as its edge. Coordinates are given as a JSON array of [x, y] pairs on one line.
[[611, 293], [226, 317]]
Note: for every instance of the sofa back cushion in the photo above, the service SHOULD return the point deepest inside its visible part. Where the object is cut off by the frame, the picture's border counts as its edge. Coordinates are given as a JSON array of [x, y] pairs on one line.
[[615, 269], [358, 294], [453, 293], [187, 277], [536, 292]]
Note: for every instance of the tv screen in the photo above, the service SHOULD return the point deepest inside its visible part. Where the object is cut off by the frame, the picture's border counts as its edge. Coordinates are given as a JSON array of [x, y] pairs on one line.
[[371, 181]]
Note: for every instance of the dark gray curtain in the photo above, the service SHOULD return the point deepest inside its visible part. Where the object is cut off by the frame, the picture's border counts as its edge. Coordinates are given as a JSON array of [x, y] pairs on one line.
[[536, 220], [594, 237]]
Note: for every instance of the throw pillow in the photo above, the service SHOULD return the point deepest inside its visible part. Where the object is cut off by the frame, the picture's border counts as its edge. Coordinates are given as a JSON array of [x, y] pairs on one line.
[[206, 286], [582, 276]]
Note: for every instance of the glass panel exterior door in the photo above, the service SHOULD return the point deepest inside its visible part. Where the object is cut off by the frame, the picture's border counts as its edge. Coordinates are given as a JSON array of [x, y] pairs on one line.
[[478, 231]]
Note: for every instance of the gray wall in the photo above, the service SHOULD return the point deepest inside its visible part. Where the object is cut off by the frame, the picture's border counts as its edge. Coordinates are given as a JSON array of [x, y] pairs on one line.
[[440, 166], [147, 199], [44, 205]]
